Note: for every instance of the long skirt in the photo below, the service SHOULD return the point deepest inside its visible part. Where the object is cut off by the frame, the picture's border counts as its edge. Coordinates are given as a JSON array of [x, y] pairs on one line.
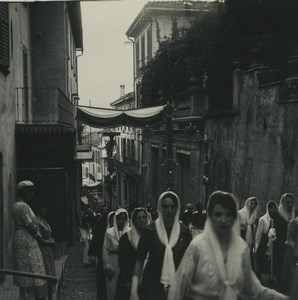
[[288, 270], [27, 258], [111, 284]]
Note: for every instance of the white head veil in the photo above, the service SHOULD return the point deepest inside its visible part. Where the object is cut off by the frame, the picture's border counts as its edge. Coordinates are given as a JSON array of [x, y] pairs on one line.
[[266, 218], [248, 218], [133, 234], [282, 208], [108, 219], [227, 274], [126, 225], [168, 267]]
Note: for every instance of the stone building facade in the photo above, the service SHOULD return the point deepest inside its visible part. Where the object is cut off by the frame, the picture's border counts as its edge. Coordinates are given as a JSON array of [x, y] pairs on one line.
[[38, 96]]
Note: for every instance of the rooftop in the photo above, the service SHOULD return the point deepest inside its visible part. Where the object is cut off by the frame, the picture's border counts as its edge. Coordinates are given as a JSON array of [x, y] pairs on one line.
[[152, 8]]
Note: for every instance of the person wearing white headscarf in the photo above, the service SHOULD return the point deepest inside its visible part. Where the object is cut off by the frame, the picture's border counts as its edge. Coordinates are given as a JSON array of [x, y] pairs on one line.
[[290, 262], [262, 242], [216, 265], [110, 219], [286, 213], [165, 240], [111, 249], [247, 218], [128, 250]]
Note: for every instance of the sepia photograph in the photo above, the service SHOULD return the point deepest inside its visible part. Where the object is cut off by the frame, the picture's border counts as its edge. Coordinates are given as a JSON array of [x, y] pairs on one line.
[[149, 150]]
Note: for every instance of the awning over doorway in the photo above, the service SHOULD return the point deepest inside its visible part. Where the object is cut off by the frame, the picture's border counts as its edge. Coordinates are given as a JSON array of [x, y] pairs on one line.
[[104, 117]]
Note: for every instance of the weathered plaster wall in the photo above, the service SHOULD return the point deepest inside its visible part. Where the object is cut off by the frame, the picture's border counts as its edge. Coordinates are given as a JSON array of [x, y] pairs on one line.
[[19, 27], [254, 152], [49, 44]]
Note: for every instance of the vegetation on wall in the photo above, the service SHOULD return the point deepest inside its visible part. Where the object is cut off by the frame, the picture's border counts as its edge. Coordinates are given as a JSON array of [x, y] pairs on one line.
[[202, 55]]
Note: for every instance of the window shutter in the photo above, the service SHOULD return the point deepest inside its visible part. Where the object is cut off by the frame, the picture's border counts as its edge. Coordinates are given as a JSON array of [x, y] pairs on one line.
[[4, 36]]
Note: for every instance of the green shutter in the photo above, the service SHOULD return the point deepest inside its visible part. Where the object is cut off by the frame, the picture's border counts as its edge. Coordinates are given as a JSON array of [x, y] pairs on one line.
[[4, 35]]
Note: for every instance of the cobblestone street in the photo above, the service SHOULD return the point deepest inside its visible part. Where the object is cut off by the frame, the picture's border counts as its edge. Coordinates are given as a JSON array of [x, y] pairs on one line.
[[78, 281]]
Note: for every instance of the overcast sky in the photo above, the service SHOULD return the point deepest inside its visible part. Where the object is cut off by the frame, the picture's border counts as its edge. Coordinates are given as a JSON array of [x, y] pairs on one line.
[[107, 59]]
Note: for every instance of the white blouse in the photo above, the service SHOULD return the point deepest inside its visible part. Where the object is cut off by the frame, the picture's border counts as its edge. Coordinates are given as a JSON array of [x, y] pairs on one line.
[[196, 277]]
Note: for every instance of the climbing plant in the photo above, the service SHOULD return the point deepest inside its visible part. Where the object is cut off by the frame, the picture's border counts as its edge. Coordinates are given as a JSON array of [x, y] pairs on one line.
[[255, 30]]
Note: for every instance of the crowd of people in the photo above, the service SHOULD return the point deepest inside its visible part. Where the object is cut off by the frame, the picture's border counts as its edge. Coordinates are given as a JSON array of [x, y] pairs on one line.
[[222, 252]]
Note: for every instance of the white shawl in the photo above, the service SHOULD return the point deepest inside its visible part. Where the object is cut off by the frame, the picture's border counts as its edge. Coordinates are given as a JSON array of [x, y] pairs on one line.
[[168, 267], [227, 274], [266, 217], [108, 219], [245, 217], [118, 233], [282, 208], [133, 234]]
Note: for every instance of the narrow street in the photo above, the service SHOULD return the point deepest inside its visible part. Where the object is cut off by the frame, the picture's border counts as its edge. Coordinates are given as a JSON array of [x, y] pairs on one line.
[[78, 280]]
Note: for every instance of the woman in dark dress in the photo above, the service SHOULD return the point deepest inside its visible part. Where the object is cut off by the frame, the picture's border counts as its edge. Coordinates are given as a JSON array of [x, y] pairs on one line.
[[127, 252], [262, 247], [166, 241], [286, 212]]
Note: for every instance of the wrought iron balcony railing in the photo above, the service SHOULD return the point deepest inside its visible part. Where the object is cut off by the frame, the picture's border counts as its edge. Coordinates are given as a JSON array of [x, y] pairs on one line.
[[43, 106]]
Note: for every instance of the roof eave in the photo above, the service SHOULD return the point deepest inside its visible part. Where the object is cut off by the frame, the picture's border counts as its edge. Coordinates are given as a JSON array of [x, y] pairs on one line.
[[75, 17]]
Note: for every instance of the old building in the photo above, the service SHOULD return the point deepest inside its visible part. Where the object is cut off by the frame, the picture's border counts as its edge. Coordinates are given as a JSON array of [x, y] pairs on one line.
[[94, 168], [155, 23], [243, 104], [128, 156], [40, 43]]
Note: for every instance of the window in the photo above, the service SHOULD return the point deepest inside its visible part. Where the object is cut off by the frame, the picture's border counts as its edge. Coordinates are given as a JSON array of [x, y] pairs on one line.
[[143, 50], [133, 149], [11, 40], [124, 147], [1, 215], [149, 42], [128, 148], [137, 57], [4, 38], [25, 83]]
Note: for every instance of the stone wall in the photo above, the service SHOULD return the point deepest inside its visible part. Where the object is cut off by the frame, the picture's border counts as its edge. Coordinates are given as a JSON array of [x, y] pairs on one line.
[[253, 150]]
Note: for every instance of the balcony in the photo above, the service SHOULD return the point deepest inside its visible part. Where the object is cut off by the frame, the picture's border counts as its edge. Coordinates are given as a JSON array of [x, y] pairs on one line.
[[83, 147], [47, 106], [83, 153], [128, 161]]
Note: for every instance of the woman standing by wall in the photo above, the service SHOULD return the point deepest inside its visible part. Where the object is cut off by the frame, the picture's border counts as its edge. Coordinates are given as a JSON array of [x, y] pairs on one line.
[[261, 245], [165, 240], [26, 253], [286, 212]]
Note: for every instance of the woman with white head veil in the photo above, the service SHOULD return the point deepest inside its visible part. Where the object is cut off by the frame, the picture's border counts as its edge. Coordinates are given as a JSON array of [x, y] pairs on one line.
[[262, 241], [166, 240], [247, 218], [286, 213], [128, 250], [248, 223], [111, 249], [216, 265]]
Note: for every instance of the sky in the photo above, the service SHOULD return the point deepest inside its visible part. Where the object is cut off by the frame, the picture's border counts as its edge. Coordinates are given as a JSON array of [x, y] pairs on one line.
[[107, 60]]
